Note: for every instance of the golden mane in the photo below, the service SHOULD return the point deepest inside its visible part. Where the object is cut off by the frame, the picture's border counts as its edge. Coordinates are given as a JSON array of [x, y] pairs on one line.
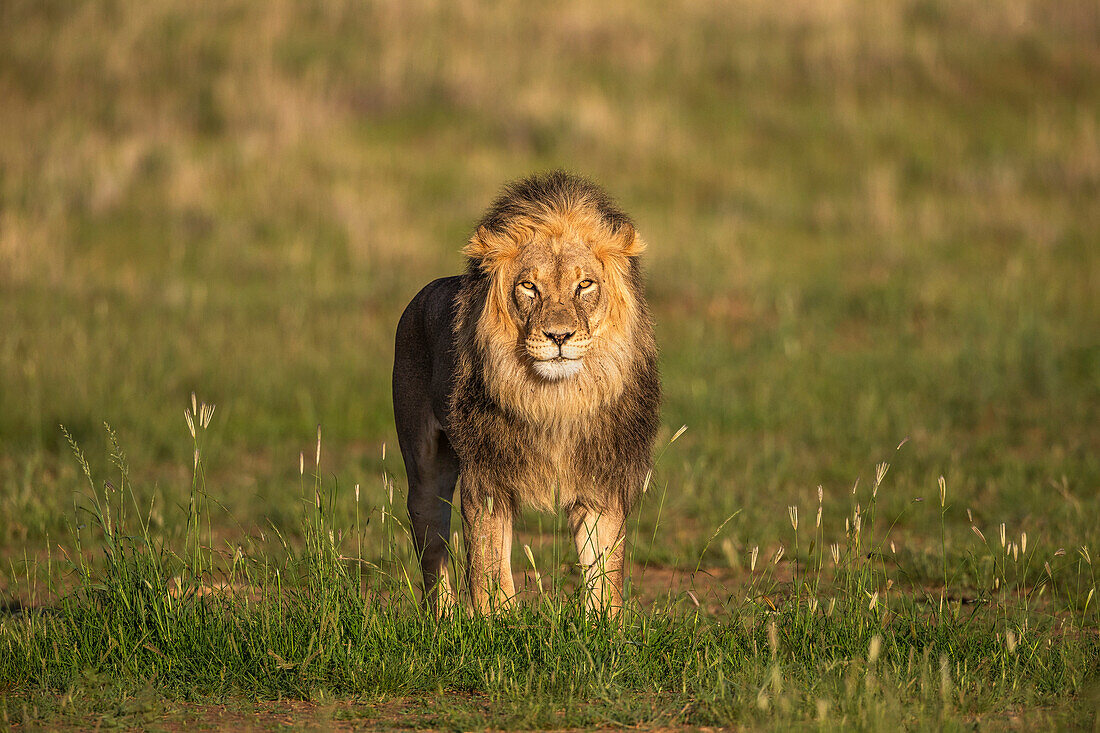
[[574, 215]]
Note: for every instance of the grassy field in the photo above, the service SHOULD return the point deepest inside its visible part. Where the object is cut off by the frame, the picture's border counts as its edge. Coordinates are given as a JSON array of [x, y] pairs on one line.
[[874, 240]]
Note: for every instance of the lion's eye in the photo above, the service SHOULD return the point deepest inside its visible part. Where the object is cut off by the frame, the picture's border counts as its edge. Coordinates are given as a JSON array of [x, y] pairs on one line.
[[584, 285], [528, 288]]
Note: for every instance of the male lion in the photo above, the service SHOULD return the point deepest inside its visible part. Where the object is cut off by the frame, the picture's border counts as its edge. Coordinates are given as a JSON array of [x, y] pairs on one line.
[[533, 376]]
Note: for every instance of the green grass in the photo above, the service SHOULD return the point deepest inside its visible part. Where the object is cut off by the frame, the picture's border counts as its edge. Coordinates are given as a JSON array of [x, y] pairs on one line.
[[868, 224], [838, 642]]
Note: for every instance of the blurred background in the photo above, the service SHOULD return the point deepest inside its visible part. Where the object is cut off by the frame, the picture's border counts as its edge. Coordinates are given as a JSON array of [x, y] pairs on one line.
[[868, 222]]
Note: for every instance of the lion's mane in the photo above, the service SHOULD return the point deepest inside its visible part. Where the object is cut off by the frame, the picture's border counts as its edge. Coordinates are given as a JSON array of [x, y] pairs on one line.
[[599, 424]]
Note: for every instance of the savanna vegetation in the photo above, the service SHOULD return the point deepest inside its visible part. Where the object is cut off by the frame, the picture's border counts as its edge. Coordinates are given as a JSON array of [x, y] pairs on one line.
[[873, 268]]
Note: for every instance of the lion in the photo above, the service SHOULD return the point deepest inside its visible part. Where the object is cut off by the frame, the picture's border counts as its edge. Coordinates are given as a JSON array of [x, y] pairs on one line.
[[533, 377]]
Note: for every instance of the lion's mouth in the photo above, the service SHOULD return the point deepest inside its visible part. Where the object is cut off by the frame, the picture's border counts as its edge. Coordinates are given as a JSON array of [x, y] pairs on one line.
[[558, 367]]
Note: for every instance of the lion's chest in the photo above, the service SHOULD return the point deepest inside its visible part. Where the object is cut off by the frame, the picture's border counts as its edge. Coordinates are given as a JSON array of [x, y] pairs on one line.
[[554, 473], [544, 445]]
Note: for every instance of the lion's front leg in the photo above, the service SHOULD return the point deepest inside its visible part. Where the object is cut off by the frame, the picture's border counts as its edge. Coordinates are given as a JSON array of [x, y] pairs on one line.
[[600, 538], [487, 531]]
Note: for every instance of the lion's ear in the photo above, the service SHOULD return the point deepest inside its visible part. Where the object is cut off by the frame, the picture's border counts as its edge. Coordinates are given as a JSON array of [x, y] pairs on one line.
[[490, 248], [479, 247], [631, 242], [625, 242]]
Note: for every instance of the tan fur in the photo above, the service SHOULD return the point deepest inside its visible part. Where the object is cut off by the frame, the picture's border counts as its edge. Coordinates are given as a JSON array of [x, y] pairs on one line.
[[540, 366]]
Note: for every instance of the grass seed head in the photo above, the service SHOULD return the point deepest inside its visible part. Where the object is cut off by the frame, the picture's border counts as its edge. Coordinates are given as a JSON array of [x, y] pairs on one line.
[[531, 559], [208, 414], [943, 492], [190, 423], [778, 555], [792, 512], [1023, 542], [945, 678], [978, 532], [752, 558], [1083, 550], [1002, 535], [880, 473]]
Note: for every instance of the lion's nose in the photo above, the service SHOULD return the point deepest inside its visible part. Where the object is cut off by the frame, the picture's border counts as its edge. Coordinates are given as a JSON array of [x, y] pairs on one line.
[[559, 337]]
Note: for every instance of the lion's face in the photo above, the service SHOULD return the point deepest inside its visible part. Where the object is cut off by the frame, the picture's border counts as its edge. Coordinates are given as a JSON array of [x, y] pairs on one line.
[[557, 303], [560, 325]]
